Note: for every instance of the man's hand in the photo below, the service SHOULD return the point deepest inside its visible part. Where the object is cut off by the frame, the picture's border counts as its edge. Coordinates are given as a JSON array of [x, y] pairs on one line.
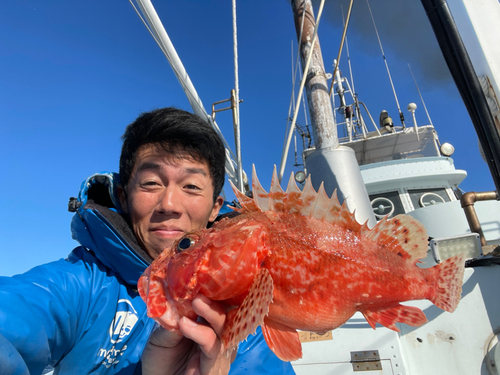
[[198, 351]]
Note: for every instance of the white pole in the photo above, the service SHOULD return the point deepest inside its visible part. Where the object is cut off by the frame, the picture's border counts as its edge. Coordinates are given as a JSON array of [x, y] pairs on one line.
[[161, 37], [237, 100]]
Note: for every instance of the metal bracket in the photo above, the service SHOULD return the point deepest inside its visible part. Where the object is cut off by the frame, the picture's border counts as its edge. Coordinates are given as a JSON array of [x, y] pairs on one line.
[[73, 204], [366, 361], [316, 72]]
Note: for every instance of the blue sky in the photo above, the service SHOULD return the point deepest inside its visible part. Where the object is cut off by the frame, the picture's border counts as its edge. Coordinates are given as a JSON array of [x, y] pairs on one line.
[[74, 74]]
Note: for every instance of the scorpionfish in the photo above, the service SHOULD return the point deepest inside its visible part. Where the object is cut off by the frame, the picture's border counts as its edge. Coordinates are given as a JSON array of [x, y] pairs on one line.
[[298, 260]]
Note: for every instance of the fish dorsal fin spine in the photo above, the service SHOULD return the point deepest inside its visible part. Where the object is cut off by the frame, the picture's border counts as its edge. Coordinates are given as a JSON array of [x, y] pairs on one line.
[[401, 234], [308, 197], [276, 194], [320, 204], [306, 202], [247, 203], [292, 196], [260, 196]]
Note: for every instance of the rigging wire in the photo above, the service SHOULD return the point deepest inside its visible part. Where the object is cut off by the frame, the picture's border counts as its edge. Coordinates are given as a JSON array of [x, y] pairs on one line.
[[341, 46], [305, 109], [293, 100], [421, 98], [294, 76], [348, 55], [303, 134], [302, 84], [401, 115], [297, 129]]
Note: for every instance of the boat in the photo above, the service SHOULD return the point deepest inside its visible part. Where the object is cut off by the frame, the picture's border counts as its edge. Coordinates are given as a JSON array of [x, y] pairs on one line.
[[407, 170], [391, 166]]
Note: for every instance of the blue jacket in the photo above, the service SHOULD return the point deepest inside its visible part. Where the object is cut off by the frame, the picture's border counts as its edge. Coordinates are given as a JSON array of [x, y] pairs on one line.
[[83, 314]]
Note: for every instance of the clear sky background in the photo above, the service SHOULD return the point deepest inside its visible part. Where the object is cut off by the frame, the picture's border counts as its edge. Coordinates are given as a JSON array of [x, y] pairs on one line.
[[74, 74]]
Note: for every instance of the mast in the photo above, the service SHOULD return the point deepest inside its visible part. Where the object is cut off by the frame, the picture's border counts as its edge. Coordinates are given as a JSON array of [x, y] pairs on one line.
[[318, 100], [334, 165]]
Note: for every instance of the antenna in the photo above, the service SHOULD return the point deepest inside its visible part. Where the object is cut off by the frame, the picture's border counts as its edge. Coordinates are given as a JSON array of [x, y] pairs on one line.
[[411, 108], [421, 98], [401, 116]]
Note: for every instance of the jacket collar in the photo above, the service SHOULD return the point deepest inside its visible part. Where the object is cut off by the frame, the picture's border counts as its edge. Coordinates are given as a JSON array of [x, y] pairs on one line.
[[101, 226]]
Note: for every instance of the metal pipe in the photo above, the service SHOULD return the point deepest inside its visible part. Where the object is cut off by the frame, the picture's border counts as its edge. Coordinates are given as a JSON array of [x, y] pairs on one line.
[[467, 202], [370, 116], [235, 102], [237, 140]]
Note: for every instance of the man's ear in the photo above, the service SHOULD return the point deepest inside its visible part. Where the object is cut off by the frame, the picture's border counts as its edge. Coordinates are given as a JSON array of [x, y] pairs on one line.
[[122, 197], [217, 206]]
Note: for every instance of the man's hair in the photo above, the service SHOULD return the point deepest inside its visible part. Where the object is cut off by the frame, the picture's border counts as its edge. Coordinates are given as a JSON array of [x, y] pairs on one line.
[[177, 132]]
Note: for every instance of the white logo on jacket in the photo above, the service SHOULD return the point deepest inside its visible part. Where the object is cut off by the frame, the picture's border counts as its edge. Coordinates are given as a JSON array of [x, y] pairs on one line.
[[124, 321]]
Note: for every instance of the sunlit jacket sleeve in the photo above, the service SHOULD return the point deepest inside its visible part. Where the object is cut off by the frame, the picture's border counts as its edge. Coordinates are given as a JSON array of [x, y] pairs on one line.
[[39, 315]]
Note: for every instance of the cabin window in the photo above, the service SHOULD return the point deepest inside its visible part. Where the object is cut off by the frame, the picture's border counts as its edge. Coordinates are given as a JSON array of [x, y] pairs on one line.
[[388, 203], [428, 197]]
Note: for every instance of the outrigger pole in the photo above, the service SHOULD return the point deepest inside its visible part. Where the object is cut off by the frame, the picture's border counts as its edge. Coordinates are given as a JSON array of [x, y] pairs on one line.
[[466, 80], [148, 15]]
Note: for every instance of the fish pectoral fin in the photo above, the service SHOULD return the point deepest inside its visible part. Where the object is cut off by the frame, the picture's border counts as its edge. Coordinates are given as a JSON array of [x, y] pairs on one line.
[[410, 315], [154, 292], [282, 340], [244, 321]]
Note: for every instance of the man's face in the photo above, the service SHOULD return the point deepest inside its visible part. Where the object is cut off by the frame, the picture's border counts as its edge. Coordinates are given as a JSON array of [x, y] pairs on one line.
[[168, 196]]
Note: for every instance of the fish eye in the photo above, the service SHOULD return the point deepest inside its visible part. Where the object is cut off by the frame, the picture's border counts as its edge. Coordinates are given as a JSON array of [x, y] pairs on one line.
[[184, 244]]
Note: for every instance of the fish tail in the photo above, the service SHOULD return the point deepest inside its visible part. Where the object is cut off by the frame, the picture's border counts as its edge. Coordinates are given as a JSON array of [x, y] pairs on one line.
[[450, 274]]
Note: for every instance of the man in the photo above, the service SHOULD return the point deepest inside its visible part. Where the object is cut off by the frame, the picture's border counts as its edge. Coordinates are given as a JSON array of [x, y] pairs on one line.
[[83, 314]]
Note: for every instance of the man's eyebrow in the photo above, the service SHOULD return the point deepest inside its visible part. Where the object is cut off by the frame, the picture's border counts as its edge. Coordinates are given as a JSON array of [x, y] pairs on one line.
[[157, 166], [148, 165], [196, 171]]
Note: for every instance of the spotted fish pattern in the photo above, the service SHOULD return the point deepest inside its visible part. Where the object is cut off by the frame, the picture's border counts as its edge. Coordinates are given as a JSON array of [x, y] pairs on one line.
[[298, 260]]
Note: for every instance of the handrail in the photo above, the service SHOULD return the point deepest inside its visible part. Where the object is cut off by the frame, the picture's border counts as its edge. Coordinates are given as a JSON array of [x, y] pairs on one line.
[[467, 202]]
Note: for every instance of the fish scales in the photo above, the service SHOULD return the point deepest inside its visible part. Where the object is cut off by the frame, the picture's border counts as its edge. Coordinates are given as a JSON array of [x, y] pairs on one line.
[[329, 277], [299, 260]]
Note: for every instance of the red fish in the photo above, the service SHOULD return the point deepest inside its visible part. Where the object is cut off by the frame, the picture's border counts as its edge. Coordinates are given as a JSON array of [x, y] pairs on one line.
[[299, 260]]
